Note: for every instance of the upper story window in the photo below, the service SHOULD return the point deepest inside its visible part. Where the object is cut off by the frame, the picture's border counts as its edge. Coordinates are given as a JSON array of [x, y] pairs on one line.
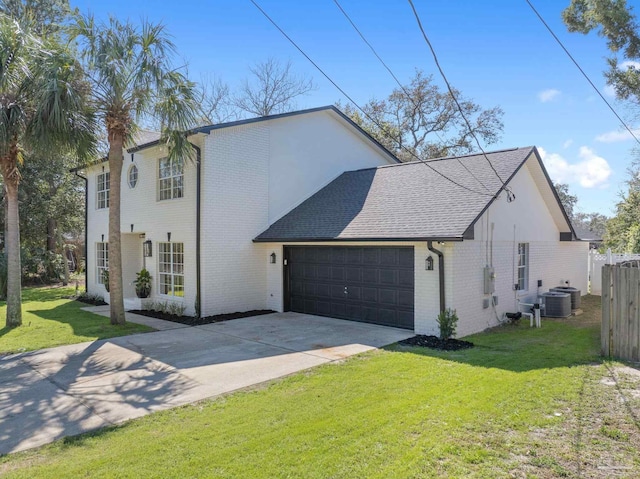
[[102, 189], [132, 176], [170, 178], [523, 266]]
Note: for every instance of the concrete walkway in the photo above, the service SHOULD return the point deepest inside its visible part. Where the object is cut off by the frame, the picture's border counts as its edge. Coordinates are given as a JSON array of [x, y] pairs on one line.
[[49, 394]]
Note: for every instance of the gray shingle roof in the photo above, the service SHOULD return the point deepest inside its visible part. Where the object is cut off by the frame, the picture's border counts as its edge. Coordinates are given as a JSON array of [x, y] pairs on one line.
[[586, 234], [404, 201]]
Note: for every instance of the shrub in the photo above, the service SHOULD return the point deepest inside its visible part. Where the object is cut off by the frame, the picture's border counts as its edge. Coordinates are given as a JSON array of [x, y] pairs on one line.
[[447, 321], [168, 307]]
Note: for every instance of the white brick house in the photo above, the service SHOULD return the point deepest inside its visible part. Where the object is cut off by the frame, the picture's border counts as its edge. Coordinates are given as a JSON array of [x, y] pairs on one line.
[[306, 212]]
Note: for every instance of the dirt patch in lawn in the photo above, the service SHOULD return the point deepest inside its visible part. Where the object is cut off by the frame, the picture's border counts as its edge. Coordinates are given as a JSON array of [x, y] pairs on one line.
[[193, 321], [598, 436], [434, 342]]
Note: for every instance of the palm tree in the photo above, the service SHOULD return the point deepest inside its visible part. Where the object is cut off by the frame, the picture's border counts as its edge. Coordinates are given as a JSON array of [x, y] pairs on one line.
[[42, 109], [133, 79]]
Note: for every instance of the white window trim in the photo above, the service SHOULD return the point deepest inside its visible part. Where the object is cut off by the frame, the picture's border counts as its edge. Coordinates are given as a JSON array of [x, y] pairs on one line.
[[105, 191], [171, 177], [524, 268], [171, 274], [102, 256], [131, 167]]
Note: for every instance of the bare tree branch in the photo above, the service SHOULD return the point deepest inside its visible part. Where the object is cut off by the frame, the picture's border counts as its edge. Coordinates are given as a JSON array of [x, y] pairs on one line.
[[272, 89]]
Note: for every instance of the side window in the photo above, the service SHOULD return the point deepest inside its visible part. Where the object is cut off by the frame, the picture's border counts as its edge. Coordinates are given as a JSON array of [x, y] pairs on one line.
[[523, 266], [132, 176], [102, 261], [102, 190], [170, 179], [171, 268]]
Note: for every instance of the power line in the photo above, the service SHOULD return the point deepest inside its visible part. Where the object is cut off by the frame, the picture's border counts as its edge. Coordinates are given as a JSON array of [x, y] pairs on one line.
[[359, 108], [583, 72], [409, 97], [510, 194]]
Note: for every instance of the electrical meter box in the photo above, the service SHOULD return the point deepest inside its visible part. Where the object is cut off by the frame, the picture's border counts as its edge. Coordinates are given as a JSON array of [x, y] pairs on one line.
[[489, 280]]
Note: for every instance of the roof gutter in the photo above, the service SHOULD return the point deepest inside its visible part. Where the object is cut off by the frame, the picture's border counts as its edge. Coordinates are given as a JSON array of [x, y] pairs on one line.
[[258, 239], [440, 272], [86, 224]]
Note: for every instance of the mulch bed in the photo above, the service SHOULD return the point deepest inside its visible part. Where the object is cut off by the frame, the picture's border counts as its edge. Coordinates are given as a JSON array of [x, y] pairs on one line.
[[193, 321], [91, 301], [434, 342]]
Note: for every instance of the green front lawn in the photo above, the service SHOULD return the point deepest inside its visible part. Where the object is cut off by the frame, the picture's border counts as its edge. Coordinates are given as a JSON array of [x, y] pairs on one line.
[[50, 318], [523, 403]]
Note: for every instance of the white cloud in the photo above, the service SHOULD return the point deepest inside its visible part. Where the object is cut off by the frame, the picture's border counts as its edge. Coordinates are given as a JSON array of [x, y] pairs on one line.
[[616, 136], [609, 91], [590, 172], [548, 95], [629, 64], [567, 143]]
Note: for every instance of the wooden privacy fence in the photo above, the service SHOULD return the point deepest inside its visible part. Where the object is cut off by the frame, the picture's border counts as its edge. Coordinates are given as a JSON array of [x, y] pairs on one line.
[[620, 333]]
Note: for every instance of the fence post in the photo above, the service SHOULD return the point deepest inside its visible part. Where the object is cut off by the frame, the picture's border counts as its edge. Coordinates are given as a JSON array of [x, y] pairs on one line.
[[609, 256], [605, 333]]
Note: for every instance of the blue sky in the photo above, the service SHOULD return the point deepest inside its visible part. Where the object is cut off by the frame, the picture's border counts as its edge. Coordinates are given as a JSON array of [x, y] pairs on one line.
[[496, 52]]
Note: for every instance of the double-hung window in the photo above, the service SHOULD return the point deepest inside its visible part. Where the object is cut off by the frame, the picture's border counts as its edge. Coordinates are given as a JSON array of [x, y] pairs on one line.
[[170, 178], [523, 266], [102, 189], [171, 268], [102, 261]]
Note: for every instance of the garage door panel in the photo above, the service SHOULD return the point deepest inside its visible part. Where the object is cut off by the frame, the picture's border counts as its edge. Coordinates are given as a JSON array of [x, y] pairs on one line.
[[370, 256], [388, 276], [310, 289], [337, 273], [323, 308], [338, 255], [370, 276], [405, 319], [388, 256], [353, 293], [309, 271], [354, 275], [388, 296], [378, 282], [323, 290], [405, 278], [405, 299], [339, 310], [337, 291], [405, 258], [323, 272], [354, 312], [370, 295], [354, 256]]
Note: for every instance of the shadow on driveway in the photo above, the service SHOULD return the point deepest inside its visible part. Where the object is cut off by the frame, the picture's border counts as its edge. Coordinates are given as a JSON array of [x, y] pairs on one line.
[[49, 394]]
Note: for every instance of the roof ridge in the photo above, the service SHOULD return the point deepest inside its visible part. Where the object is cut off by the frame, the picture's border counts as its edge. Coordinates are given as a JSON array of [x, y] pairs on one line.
[[415, 162]]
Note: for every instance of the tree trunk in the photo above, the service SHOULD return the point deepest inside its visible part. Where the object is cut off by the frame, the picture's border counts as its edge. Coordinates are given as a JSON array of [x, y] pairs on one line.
[[65, 259], [11, 178], [6, 224], [51, 234], [116, 298]]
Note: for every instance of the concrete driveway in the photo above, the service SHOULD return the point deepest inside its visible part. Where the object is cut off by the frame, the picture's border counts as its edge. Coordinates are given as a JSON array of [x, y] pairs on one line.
[[58, 392]]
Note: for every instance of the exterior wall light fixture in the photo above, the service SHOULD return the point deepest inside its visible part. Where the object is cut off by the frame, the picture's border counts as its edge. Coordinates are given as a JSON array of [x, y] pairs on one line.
[[147, 250], [272, 258], [428, 263]]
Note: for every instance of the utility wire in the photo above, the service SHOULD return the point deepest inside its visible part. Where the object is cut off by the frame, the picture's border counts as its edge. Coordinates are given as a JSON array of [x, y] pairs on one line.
[[510, 195], [359, 108], [402, 87], [583, 72]]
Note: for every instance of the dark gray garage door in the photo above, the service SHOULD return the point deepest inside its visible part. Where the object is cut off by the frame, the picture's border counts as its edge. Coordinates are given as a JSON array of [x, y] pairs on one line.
[[369, 284]]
